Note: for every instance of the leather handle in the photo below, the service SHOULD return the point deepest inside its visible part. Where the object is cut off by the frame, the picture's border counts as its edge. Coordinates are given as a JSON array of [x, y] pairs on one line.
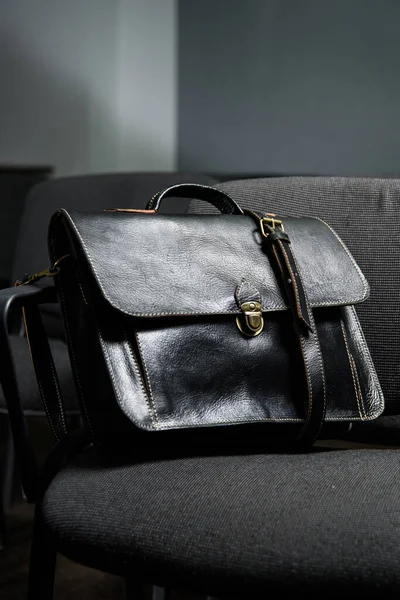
[[195, 191]]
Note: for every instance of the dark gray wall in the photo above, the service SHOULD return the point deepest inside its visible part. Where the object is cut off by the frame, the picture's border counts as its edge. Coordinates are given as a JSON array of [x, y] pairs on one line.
[[291, 86]]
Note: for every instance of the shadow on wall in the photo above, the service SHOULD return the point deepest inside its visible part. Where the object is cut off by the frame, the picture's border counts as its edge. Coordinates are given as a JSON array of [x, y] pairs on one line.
[[61, 105], [45, 117]]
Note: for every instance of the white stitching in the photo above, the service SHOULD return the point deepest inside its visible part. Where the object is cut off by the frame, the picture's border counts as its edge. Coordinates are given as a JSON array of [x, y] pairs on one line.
[[312, 322], [293, 277], [136, 367], [252, 288], [71, 349], [60, 404], [331, 419], [82, 397], [358, 385], [371, 366], [150, 405], [151, 397], [107, 358], [81, 288], [352, 371], [239, 422], [106, 355], [47, 410], [357, 268], [305, 359], [41, 391], [239, 289]]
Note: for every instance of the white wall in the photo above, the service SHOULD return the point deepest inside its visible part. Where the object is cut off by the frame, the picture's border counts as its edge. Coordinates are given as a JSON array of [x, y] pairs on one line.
[[80, 84]]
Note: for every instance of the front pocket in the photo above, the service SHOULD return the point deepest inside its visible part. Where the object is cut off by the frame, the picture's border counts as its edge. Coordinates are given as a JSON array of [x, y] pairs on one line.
[[203, 371]]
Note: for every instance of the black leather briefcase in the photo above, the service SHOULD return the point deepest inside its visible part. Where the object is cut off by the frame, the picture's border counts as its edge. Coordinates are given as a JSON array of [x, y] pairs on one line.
[[235, 326]]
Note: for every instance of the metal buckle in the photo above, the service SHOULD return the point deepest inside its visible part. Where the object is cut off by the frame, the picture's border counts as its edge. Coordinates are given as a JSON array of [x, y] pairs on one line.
[[271, 222], [50, 272]]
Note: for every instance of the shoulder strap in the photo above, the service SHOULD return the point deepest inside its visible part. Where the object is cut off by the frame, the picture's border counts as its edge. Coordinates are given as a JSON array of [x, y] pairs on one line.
[[279, 249], [68, 443], [45, 370]]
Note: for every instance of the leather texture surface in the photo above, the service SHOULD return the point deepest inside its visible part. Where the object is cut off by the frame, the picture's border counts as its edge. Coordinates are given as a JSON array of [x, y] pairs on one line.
[[150, 265], [150, 302], [198, 372]]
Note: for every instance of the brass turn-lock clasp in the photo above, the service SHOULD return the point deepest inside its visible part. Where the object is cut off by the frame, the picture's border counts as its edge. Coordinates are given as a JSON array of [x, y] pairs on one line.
[[252, 322]]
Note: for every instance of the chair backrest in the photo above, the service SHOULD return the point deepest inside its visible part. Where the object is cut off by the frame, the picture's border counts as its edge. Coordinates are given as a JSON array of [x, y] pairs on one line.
[[88, 192], [365, 212]]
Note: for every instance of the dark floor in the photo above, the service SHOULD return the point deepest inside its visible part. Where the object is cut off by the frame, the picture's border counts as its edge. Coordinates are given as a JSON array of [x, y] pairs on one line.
[[72, 580]]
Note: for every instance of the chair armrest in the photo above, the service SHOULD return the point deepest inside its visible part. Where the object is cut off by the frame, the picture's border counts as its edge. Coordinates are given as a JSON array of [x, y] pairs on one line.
[[23, 294], [10, 298]]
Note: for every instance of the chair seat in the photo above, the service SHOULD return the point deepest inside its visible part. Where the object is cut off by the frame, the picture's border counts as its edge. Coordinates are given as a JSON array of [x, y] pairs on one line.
[[30, 396], [233, 526]]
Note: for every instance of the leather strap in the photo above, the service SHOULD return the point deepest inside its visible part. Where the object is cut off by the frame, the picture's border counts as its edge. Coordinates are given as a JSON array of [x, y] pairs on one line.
[[45, 370], [68, 444], [196, 191], [279, 246]]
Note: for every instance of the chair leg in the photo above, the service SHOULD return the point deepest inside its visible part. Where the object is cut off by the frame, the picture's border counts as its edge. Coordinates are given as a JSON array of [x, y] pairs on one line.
[[2, 527], [42, 563], [136, 591], [8, 470]]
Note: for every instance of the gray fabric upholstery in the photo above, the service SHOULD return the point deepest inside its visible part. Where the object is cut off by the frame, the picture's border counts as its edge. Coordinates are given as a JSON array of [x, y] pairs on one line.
[[30, 396], [239, 526], [365, 212]]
